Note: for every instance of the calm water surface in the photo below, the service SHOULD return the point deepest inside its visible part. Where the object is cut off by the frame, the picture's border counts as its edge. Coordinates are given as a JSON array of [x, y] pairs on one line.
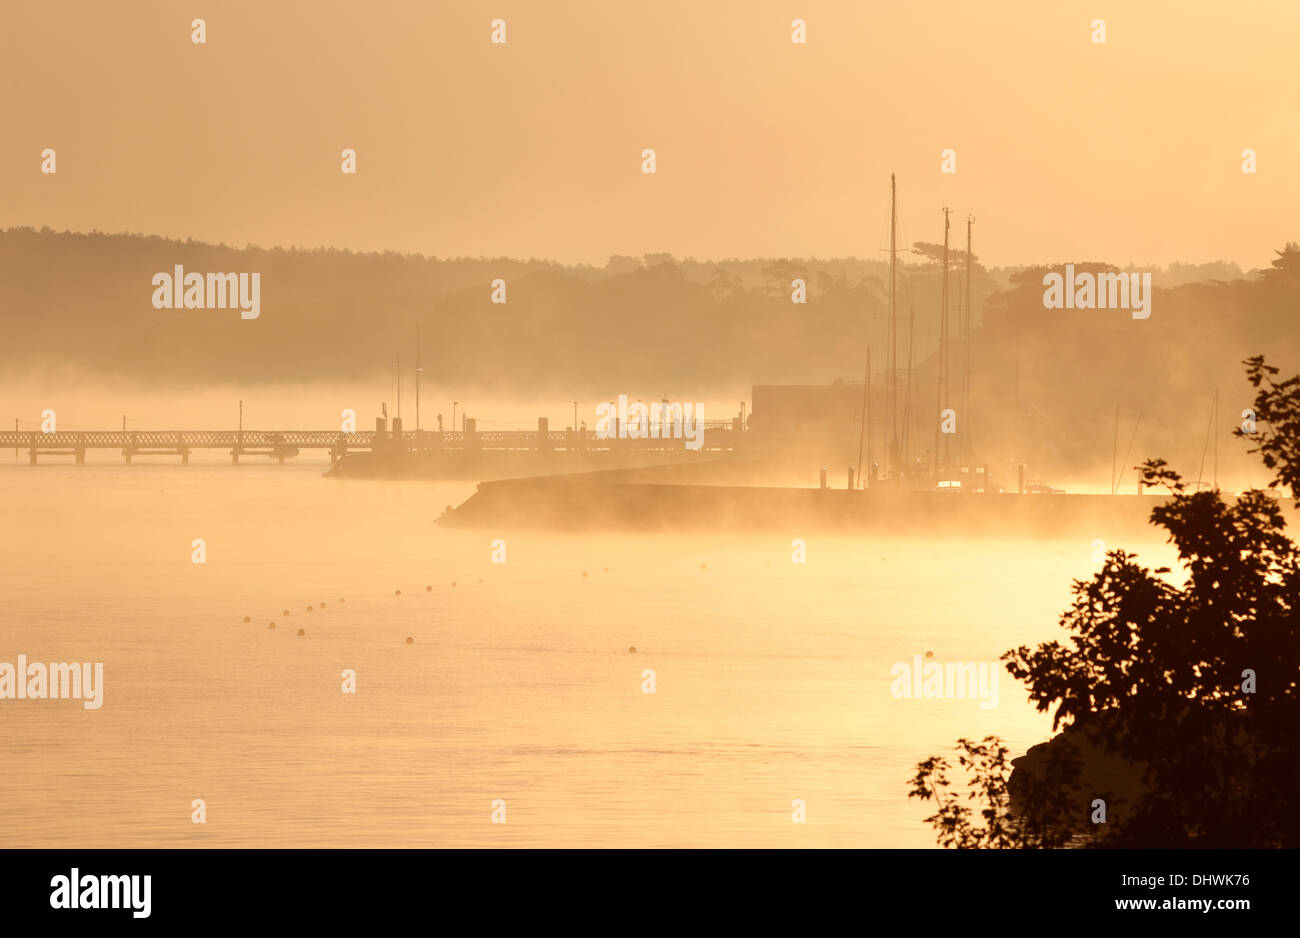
[[772, 679]]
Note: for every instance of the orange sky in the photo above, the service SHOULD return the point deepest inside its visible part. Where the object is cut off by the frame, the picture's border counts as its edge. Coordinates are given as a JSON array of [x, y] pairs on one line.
[[1128, 151]]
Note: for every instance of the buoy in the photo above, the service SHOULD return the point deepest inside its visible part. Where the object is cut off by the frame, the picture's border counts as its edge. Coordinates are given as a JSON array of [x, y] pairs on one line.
[[703, 566], [929, 654], [397, 592], [302, 631], [453, 583], [248, 618], [584, 574], [480, 579], [428, 589], [342, 600], [271, 626], [607, 569], [309, 608], [631, 649], [322, 605], [409, 640], [286, 612]]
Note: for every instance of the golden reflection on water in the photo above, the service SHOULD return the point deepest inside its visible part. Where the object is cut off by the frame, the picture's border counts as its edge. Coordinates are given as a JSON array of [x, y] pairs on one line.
[[772, 679]]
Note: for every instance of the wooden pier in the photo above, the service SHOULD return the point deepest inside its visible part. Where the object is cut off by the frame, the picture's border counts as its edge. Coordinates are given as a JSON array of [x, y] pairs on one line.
[[718, 436]]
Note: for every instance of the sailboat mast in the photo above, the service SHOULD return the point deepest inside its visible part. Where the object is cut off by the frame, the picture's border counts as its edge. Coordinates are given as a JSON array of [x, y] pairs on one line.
[[891, 443], [941, 397], [1216, 439], [864, 425], [905, 449], [866, 419], [965, 378]]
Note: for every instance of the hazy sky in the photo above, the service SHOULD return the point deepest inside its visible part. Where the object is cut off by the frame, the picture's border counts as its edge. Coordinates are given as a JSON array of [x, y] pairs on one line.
[[1066, 149]]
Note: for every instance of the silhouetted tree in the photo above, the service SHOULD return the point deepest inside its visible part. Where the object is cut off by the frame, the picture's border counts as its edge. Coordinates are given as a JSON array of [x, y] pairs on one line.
[[1277, 406], [1286, 266], [988, 791], [1193, 687], [778, 275]]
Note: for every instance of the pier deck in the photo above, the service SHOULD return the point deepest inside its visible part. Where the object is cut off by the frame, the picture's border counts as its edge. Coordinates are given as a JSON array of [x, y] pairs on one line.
[[719, 436]]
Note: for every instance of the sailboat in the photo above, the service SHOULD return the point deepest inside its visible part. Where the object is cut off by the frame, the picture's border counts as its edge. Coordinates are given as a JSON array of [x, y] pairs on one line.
[[953, 468], [950, 468]]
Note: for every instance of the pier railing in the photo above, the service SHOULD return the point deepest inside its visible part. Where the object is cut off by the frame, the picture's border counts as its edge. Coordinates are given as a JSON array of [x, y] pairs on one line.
[[717, 436]]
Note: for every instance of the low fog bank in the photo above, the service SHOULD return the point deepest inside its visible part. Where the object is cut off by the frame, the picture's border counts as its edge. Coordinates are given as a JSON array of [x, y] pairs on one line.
[[81, 403]]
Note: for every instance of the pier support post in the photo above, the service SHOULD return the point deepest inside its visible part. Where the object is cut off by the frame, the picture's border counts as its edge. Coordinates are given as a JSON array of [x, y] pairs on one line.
[[850, 478], [823, 478], [1020, 474], [543, 434]]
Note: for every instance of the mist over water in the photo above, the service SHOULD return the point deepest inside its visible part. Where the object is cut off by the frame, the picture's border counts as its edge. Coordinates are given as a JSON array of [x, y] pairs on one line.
[[83, 404], [772, 678], [588, 424]]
